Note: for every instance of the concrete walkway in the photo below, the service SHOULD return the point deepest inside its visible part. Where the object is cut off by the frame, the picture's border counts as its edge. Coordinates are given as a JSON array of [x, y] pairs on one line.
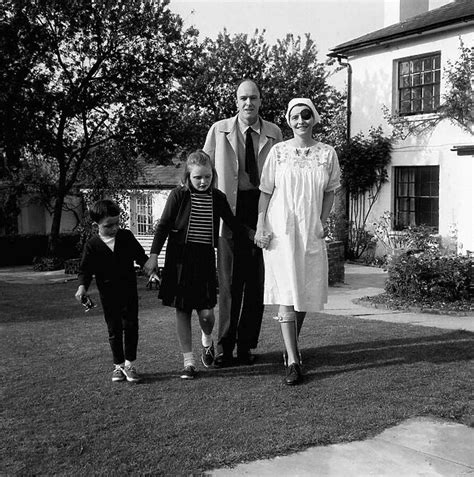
[[416, 447]]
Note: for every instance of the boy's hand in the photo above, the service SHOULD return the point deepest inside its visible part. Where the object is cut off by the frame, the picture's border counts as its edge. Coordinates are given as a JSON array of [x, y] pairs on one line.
[[81, 291]]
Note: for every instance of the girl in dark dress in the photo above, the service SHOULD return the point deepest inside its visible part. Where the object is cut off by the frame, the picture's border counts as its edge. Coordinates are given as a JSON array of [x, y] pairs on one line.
[[190, 221]]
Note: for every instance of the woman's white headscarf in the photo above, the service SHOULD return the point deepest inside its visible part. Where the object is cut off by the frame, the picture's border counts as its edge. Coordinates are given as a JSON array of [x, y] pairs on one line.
[[306, 102]]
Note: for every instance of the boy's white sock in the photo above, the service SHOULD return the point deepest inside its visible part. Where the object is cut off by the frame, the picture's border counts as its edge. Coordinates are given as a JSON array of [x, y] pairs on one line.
[[121, 365], [189, 360], [129, 363], [206, 340]]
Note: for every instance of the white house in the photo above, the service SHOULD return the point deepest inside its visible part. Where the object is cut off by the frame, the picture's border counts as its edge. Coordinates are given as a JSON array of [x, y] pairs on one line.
[[147, 201], [401, 67]]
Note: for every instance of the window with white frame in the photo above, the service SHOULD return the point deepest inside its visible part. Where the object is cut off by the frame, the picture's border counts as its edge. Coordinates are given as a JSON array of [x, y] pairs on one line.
[[416, 196], [419, 80], [144, 214]]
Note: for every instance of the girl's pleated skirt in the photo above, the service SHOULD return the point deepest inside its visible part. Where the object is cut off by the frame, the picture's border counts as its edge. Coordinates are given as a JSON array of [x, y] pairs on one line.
[[189, 280]]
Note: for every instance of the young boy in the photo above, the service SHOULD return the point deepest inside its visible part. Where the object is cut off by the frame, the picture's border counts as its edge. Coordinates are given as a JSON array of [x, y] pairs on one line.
[[110, 256]]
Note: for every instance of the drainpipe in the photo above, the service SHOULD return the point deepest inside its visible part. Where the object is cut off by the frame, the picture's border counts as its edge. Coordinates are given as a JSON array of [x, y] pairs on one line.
[[349, 94], [348, 120]]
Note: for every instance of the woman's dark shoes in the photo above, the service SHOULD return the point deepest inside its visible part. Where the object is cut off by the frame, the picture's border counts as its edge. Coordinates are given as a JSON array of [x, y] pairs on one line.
[[293, 374]]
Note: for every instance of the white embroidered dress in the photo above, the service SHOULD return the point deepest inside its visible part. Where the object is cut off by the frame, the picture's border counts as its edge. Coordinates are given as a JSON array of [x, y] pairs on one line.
[[296, 267]]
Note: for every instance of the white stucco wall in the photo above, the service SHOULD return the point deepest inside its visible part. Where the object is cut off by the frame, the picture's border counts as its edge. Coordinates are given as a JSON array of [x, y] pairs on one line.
[[35, 218], [373, 86]]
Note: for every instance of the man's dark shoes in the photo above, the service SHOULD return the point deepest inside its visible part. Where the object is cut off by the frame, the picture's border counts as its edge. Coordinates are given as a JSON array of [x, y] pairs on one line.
[[293, 374], [245, 358], [223, 361]]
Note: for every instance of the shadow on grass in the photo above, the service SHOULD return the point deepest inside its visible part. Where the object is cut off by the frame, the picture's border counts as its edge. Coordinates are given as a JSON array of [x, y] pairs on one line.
[[327, 361]]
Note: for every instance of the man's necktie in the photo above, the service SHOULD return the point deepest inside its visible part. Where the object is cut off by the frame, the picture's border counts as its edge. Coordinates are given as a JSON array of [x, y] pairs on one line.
[[250, 162]]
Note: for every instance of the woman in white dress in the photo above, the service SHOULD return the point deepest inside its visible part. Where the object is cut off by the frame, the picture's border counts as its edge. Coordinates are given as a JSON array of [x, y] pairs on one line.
[[297, 187]]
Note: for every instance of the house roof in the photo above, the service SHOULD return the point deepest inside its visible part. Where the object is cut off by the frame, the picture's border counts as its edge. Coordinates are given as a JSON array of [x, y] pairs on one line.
[[460, 11], [154, 176]]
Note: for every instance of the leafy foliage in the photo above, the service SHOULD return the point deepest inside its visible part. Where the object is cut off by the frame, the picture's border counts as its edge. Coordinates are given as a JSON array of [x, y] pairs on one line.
[[420, 269], [412, 238], [428, 275], [99, 69], [458, 102], [288, 69], [364, 162]]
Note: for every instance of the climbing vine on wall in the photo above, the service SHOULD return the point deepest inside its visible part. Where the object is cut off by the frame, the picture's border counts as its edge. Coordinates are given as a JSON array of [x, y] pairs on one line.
[[457, 102], [364, 161]]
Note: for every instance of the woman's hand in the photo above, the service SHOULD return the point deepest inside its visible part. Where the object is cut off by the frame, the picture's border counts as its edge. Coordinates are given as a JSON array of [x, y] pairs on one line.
[[262, 239]]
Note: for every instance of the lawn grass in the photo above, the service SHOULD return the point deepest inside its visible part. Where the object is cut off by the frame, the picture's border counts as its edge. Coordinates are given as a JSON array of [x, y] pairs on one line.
[[63, 415]]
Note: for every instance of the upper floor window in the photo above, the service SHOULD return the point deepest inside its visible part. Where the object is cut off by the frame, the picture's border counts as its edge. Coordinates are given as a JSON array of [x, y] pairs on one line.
[[419, 81], [144, 211], [416, 196]]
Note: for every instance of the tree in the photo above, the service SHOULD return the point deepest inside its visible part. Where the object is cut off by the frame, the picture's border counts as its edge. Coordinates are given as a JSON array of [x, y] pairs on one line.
[[106, 67], [287, 69], [22, 115]]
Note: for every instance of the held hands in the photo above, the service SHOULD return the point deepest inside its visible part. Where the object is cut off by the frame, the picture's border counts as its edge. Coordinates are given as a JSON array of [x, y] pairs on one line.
[[151, 265], [262, 239]]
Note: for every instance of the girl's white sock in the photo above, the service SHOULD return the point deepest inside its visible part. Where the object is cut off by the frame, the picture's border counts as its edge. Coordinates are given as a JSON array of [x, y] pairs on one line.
[[189, 360]]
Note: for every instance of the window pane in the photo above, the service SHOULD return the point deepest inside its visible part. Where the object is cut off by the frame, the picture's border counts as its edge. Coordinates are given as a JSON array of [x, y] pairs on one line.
[[405, 107], [417, 93], [404, 67], [427, 105], [427, 77], [417, 64], [416, 80], [406, 94], [405, 81]]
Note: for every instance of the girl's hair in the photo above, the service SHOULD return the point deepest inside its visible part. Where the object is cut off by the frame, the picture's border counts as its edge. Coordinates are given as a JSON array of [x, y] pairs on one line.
[[102, 209], [198, 158]]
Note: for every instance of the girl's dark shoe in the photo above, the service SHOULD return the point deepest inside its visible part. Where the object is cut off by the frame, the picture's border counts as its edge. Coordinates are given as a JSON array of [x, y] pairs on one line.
[[293, 375]]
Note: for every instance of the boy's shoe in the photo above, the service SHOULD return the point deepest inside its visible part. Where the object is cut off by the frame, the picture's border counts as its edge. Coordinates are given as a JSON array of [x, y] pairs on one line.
[[131, 374], [207, 355], [117, 375], [189, 372]]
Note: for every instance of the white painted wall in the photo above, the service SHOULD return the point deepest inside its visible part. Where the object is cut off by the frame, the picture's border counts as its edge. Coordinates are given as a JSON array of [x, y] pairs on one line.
[[373, 87], [34, 218]]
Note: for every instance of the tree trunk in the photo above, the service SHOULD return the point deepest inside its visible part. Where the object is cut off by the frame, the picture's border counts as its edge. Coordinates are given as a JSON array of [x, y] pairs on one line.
[[56, 225]]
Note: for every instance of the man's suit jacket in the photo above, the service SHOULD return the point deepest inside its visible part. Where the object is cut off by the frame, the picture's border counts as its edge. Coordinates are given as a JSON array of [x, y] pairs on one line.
[[222, 146]]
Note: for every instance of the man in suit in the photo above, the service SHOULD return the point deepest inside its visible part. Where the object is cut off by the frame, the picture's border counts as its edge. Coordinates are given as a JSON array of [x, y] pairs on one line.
[[238, 147]]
